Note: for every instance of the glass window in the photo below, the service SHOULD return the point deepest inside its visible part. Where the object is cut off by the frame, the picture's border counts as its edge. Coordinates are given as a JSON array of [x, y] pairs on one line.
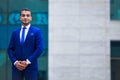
[[9, 21], [115, 60], [115, 9]]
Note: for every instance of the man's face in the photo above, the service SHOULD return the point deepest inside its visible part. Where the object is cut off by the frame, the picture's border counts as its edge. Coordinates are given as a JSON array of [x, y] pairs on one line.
[[25, 17]]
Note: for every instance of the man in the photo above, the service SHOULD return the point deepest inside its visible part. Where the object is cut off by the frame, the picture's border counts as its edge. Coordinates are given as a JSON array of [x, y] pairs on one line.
[[25, 46]]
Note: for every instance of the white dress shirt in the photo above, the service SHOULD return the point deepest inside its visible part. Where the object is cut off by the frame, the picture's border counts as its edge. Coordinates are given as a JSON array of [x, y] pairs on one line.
[[26, 31]]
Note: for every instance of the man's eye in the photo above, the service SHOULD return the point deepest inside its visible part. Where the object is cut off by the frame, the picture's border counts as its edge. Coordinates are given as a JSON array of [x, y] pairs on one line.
[[23, 15], [26, 15]]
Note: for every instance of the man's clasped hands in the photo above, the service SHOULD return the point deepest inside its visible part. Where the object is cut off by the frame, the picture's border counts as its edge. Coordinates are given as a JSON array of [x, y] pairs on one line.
[[21, 65]]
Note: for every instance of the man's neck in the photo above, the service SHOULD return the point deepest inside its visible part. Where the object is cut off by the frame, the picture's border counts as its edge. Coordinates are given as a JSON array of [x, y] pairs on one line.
[[27, 26]]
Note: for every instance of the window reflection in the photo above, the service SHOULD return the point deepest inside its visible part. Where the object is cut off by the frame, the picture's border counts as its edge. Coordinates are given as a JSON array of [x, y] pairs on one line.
[[9, 20], [115, 9]]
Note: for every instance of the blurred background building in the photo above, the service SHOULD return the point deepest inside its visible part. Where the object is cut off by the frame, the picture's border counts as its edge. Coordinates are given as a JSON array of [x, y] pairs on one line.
[[84, 37], [9, 21]]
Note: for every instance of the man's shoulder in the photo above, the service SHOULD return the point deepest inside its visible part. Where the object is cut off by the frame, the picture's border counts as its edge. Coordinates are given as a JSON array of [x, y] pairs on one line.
[[34, 28]]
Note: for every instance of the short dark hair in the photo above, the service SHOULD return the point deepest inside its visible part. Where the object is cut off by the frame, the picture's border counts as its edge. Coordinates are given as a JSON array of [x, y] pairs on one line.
[[24, 9]]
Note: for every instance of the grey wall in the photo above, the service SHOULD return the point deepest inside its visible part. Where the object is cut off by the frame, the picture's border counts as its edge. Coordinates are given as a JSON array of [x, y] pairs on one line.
[[79, 39]]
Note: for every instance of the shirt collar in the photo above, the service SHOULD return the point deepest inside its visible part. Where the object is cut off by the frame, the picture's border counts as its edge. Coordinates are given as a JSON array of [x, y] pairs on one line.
[[27, 27]]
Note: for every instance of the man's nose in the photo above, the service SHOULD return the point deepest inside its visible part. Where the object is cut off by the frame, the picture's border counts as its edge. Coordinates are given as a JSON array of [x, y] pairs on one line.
[[25, 16]]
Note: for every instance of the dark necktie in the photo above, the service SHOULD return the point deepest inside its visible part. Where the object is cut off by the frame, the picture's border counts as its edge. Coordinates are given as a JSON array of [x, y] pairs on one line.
[[23, 35]]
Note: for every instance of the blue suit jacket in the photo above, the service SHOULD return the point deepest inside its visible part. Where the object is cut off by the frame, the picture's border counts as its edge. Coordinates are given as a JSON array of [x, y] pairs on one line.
[[31, 49]]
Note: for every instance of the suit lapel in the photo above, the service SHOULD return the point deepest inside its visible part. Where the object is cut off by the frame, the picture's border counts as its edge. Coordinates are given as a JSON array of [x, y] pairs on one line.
[[18, 36]]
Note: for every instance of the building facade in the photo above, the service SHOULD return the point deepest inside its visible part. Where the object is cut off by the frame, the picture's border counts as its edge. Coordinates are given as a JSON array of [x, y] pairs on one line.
[[80, 32]]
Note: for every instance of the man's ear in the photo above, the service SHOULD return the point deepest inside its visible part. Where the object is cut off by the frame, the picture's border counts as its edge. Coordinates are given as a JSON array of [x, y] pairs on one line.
[[31, 18]]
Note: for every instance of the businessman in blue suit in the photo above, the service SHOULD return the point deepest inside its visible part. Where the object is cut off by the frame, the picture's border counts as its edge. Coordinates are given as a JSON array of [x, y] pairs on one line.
[[25, 46]]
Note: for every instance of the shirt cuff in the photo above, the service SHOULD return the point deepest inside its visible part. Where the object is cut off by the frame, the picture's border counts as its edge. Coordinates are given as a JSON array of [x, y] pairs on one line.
[[15, 62], [28, 62]]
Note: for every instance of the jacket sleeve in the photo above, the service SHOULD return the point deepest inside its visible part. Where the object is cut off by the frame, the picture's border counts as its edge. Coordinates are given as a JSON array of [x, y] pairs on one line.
[[38, 47], [11, 48]]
